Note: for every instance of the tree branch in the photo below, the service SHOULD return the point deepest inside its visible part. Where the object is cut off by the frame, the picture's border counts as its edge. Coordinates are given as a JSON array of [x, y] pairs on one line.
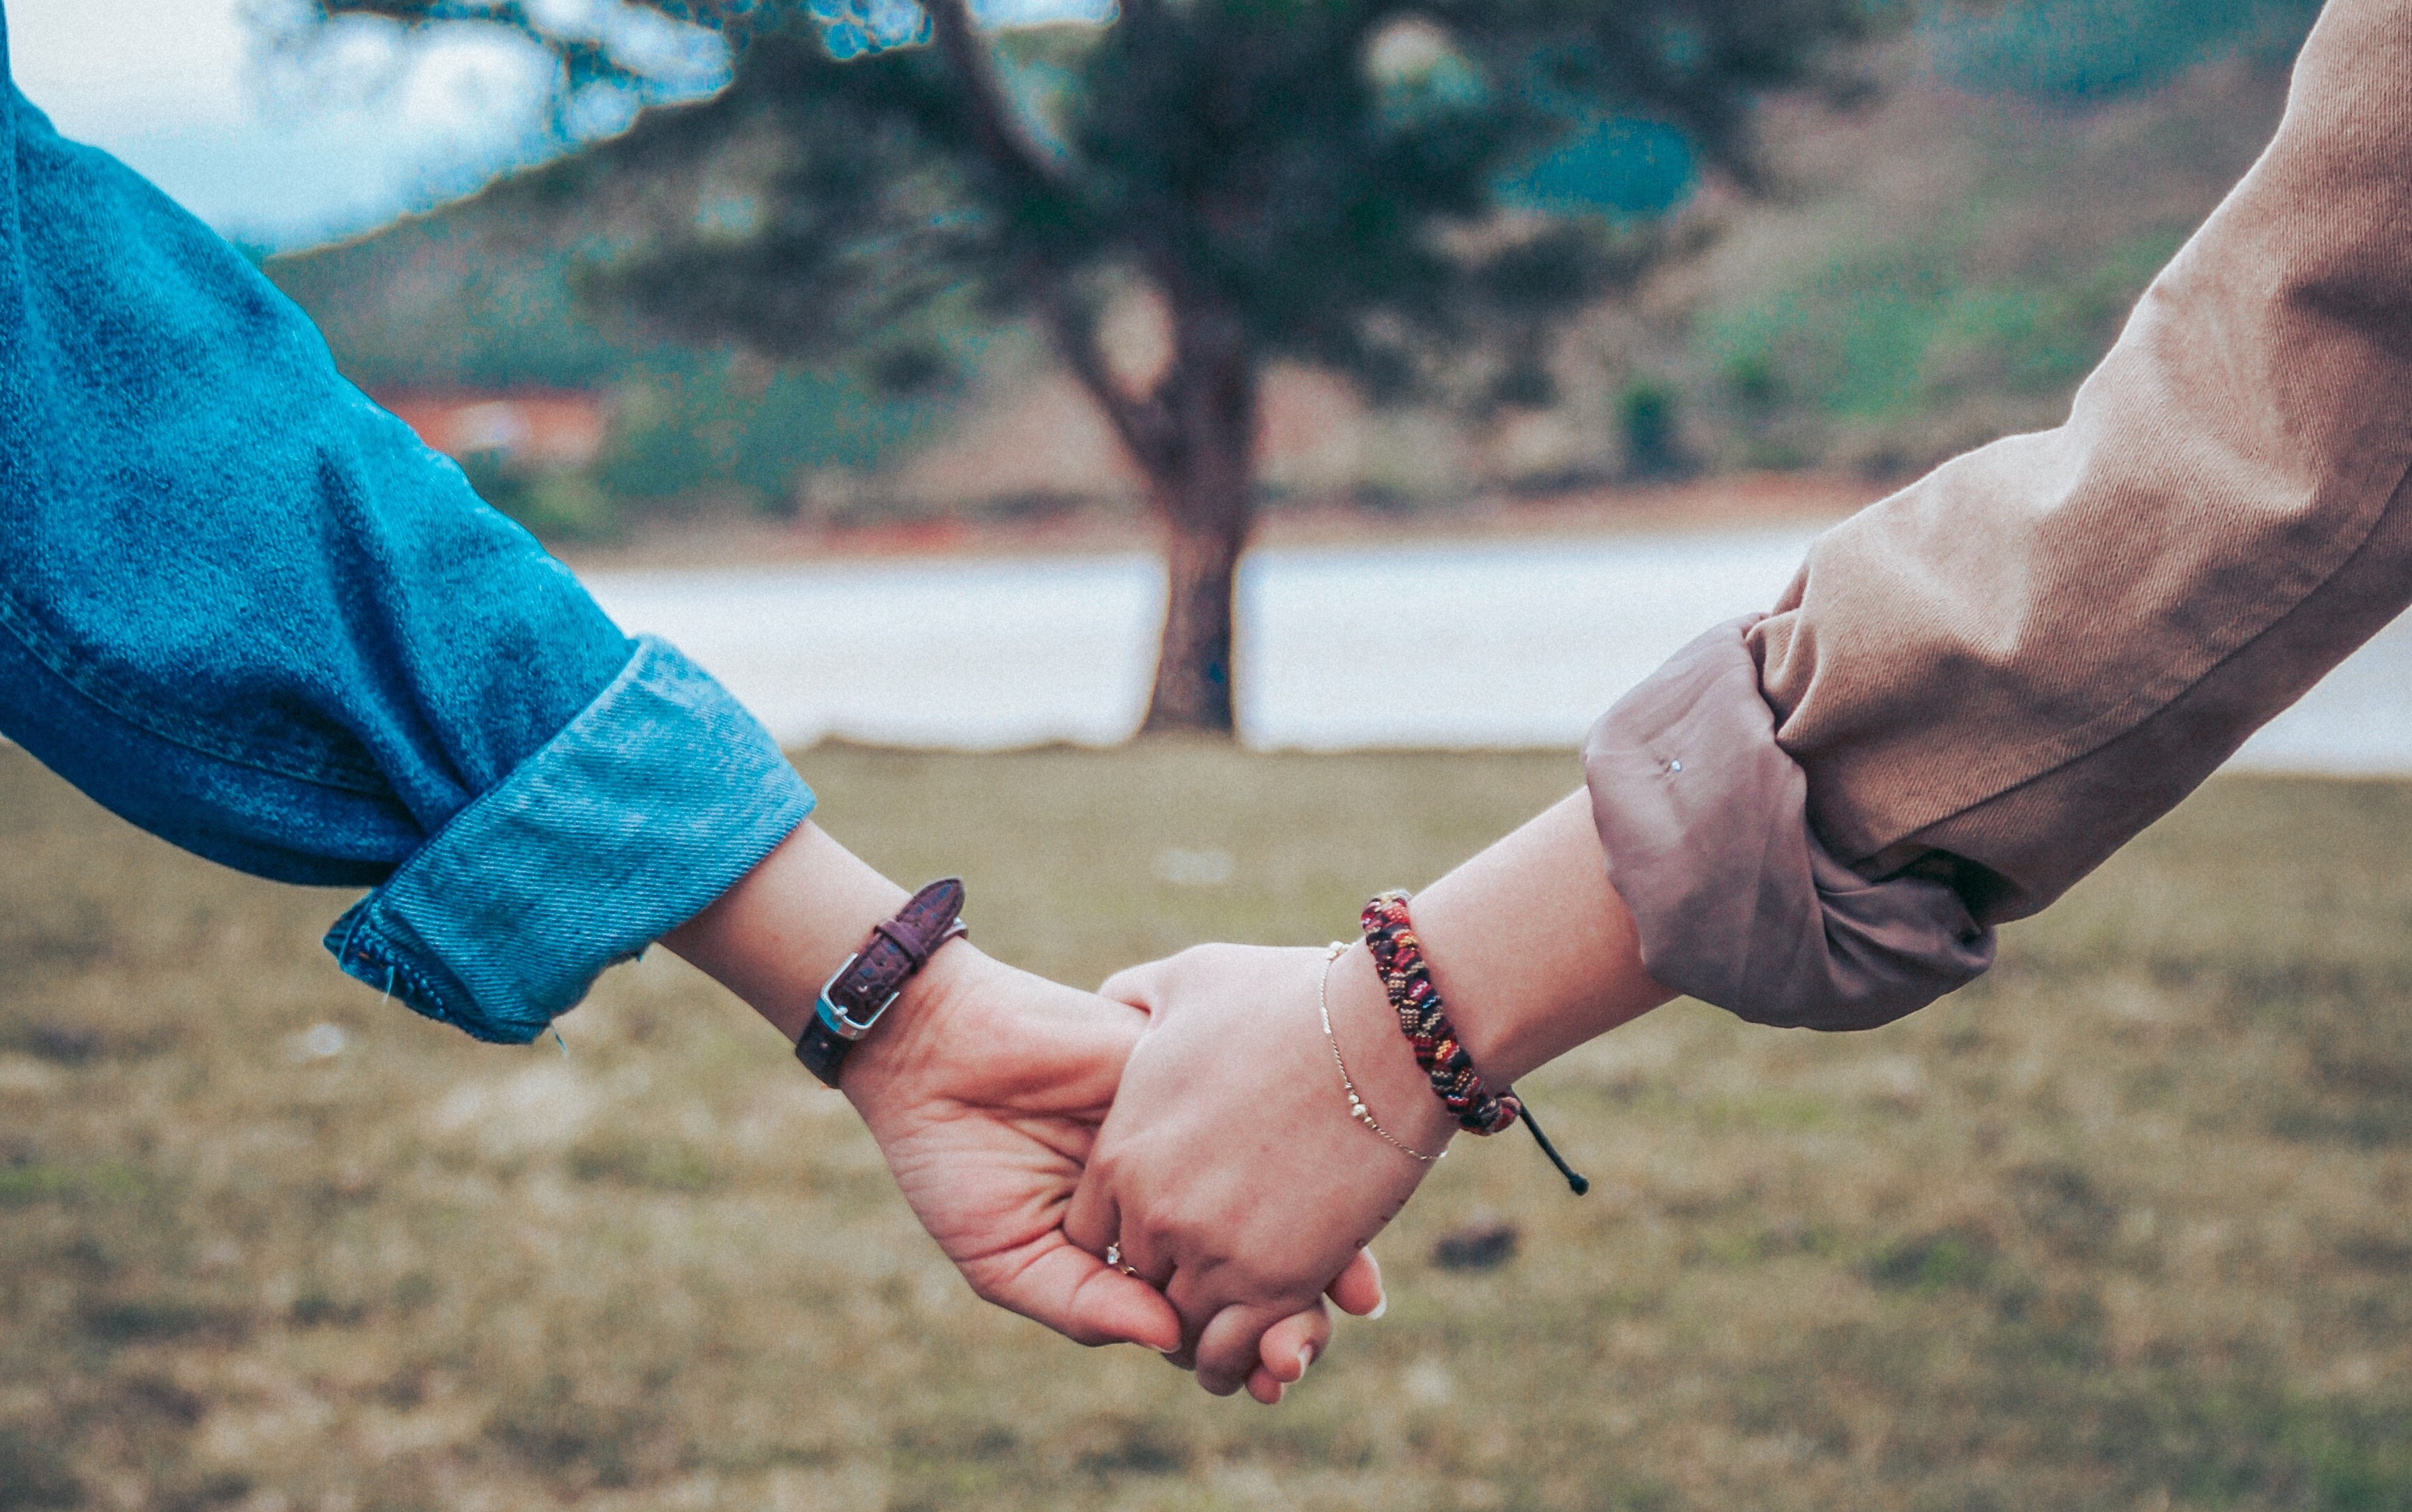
[[997, 125], [583, 60], [1145, 426], [419, 14]]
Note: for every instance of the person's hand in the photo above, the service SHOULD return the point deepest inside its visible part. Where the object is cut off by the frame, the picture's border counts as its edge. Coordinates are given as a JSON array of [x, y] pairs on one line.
[[985, 1087], [1231, 1171]]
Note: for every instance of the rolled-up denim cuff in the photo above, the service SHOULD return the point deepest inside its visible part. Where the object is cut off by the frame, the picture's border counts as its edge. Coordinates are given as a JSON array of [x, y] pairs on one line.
[[1705, 822], [642, 810]]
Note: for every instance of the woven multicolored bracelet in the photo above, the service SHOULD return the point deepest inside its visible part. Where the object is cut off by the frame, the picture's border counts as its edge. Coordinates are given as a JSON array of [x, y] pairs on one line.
[[1399, 961]]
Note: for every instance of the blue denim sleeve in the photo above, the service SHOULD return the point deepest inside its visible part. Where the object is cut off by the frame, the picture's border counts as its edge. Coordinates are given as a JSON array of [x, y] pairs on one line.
[[247, 610]]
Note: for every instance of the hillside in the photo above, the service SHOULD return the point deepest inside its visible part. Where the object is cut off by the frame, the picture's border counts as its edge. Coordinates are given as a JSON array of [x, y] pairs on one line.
[[1938, 267]]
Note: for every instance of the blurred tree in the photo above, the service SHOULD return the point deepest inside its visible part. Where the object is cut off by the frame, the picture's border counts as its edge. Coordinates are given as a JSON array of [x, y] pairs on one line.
[[1319, 180]]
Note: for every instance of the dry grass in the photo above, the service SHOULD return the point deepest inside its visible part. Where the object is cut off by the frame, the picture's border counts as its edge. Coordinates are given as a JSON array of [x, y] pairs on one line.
[[2127, 1225]]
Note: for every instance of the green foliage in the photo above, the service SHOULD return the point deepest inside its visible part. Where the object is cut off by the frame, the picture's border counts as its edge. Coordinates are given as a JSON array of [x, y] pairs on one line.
[[1647, 410], [1423, 212], [1961, 1257], [2092, 49], [1890, 330], [1326, 177], [457, 299], [461, 298], [756, 435], [1620, 167], [558, 506]]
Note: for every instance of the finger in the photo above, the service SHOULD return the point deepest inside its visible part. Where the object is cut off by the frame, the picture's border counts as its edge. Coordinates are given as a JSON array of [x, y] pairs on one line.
[[1290, 1346], [1108, 1307], [1092, 1217], [1357, 1289], [1227, 1350], [1262, 1387], [1089, 1302], [1199, 1301]]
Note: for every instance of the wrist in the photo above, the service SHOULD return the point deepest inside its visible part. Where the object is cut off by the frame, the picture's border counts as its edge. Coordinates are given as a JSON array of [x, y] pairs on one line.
[[784, 929], [1530, 948], [914, 1028], [1378, 1057]]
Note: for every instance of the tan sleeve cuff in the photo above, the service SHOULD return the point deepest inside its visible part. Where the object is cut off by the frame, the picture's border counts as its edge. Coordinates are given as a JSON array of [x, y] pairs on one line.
[[1705, 822]]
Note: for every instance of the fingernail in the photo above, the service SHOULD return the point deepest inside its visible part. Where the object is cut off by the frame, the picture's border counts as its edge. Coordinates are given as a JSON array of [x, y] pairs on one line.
[[1305, 1357], [1381, 1305]]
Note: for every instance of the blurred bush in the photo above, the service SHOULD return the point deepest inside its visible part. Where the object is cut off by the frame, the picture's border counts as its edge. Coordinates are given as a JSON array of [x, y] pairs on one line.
[[750, 432], [1894, 339], [1648, 412], [456, 301], [2094, 49]]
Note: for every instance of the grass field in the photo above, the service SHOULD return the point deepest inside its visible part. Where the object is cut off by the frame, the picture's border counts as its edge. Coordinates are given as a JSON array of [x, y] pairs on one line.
[[2128, 1225]]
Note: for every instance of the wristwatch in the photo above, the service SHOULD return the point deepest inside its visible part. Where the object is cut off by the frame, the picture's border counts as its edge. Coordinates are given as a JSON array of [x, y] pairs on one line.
[[873, 977]]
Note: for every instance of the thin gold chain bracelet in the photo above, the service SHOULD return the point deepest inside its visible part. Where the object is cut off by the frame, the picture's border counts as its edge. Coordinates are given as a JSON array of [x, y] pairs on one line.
[[1357, 1108]]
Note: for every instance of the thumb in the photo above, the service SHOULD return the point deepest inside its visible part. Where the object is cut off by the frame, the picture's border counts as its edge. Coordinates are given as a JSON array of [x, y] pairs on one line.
[[1093, 1218], [1088, 1302], [1123, 1309]]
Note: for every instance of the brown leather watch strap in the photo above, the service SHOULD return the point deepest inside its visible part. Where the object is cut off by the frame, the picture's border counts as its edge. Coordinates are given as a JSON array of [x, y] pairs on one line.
[[872, 977]]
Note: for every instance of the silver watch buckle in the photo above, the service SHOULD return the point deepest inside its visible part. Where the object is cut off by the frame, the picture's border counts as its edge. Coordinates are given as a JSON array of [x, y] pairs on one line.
[[836, 1018]]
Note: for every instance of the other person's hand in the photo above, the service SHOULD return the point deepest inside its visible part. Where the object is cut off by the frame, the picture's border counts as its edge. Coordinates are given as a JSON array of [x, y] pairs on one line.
[[985, 1095], [1231, 1170], [985, 1087]]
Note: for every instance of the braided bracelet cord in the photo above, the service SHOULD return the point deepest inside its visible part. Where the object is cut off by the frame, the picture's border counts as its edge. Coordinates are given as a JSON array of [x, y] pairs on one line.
[[1399, 961]]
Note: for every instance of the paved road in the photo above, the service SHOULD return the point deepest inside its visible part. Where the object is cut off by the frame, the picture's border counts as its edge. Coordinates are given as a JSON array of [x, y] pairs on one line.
[[1503, 645]]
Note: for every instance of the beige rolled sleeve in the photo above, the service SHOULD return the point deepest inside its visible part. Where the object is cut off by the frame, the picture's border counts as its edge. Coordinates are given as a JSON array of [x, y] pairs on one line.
[[1994, 679]]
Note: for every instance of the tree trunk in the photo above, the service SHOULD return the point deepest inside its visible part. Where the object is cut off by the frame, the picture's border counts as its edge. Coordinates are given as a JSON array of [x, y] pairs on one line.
[[1203, 537], [1201, 488], [1194, 437]]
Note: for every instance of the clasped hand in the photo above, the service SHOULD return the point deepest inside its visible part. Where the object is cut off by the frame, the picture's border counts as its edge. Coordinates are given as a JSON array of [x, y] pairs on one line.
[[1190, 1121], [991, 1091]]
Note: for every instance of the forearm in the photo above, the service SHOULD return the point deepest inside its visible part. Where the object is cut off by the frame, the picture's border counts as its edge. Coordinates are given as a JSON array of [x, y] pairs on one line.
[[247, 610], [2029, 656], [1977, 689], [1531, 949]]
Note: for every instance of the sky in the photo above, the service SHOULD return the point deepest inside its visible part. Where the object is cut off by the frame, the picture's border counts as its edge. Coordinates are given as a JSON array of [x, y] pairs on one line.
[[268, 152], [280, 153]]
